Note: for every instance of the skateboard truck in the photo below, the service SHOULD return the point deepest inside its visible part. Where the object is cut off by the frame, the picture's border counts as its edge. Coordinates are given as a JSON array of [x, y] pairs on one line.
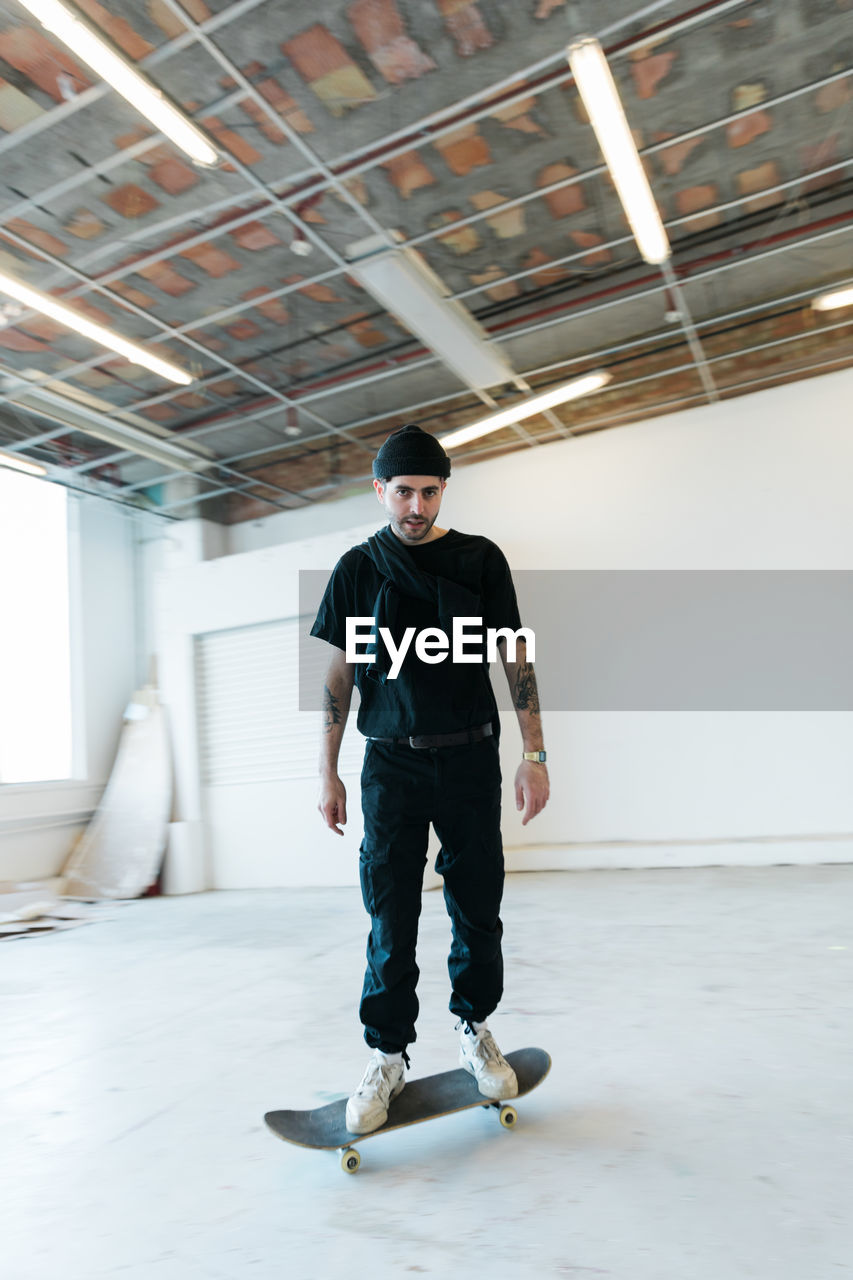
[[351, 1158]]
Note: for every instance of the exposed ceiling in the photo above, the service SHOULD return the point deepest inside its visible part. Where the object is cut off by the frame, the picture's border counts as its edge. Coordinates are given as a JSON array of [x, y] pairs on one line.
[[455, 125]]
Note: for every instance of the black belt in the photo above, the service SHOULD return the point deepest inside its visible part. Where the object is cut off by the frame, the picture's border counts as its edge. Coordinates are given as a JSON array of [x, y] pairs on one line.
[[422, 740]]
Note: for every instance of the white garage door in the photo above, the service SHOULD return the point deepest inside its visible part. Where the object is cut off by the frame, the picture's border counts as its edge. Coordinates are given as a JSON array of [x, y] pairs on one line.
[[250, 727]]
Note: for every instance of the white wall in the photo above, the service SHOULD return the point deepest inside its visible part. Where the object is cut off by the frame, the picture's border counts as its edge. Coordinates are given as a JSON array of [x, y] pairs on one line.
[[757, 482]]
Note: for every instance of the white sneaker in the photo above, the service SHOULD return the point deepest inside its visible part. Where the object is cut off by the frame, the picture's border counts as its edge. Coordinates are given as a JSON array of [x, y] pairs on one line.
[[479, 1054], [367, 1109]]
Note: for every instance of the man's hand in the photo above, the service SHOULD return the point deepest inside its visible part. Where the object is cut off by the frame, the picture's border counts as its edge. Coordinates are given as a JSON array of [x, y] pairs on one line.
[[531, 789], [333, 803]]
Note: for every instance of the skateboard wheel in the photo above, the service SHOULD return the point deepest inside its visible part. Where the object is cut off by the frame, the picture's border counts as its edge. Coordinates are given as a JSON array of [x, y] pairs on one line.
[[508, 1117], [350, 1160]]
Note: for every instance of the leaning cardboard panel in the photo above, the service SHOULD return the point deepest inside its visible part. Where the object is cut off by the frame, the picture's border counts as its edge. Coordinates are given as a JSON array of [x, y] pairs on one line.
[[120, 853]]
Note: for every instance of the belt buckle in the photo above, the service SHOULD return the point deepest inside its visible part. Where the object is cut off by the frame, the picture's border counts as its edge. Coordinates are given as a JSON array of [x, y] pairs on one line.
[[412, 742]]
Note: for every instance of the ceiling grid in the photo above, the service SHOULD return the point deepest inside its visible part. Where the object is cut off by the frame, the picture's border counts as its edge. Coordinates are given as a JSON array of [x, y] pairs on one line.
[[447, 127]]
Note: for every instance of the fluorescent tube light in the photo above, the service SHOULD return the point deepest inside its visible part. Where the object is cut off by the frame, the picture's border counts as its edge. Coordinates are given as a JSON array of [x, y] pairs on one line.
[[829, 301], [123, 77], [406, 286], [73, 320], [607, 117], [61, 409], [156, 451], [526, 408], [20, 464], [159, 451]]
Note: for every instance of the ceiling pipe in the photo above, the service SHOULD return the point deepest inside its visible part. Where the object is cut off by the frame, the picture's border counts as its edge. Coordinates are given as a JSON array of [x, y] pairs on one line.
[[673, 222], [592, 358], [476, 455], [645, 412], [733, 258]]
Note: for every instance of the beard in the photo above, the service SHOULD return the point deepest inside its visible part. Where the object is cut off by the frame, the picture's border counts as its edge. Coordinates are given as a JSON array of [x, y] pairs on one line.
[[413, 533]]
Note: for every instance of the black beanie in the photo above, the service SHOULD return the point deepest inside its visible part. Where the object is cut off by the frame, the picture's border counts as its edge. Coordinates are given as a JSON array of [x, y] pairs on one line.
[[411, 452]]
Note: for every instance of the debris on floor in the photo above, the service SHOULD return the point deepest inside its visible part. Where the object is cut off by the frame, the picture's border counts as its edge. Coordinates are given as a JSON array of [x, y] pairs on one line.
[[26, 910]]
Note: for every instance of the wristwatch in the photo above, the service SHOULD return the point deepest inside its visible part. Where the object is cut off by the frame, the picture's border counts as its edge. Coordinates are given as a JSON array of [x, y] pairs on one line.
[[539, 756]]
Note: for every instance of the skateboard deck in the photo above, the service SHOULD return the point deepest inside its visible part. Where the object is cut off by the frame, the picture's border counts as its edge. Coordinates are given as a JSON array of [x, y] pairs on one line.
[[324, 1128]]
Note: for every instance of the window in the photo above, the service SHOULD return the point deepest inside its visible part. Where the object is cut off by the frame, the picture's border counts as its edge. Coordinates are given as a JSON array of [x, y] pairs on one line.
[[35, 658]]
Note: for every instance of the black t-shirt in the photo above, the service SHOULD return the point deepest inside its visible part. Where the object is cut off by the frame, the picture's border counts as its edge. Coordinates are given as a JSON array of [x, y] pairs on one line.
[[443, 697]]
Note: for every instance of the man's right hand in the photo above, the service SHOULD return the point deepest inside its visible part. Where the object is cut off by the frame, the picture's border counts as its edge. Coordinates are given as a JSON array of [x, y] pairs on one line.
[[333, 803]]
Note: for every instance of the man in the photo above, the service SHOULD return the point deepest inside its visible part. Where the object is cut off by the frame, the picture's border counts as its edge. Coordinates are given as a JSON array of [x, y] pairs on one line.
[[432, 729]]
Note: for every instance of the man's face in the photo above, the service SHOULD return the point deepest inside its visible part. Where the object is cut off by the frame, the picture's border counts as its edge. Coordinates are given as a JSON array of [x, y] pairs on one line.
[[412, 504]]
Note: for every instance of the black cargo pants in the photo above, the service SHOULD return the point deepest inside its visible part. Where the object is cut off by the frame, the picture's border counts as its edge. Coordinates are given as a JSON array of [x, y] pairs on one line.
[[403, 790]]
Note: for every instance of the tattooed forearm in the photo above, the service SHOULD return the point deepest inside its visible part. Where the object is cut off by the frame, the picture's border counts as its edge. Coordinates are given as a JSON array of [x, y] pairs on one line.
[[335, 702], [525, 692], [331, 710]]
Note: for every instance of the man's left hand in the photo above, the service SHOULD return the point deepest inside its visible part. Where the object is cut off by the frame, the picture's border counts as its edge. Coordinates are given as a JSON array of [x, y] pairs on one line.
[[531, 789]]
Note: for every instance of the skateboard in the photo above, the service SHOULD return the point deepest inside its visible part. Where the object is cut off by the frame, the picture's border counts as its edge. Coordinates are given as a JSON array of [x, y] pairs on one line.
[[324, 1128]]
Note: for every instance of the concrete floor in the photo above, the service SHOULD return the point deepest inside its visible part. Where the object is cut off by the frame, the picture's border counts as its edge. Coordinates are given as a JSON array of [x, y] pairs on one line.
[[696, 1124]]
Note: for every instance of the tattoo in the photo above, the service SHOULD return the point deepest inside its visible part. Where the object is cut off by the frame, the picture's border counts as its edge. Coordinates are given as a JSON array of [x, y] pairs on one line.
[[526, 695], [331, 710]]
